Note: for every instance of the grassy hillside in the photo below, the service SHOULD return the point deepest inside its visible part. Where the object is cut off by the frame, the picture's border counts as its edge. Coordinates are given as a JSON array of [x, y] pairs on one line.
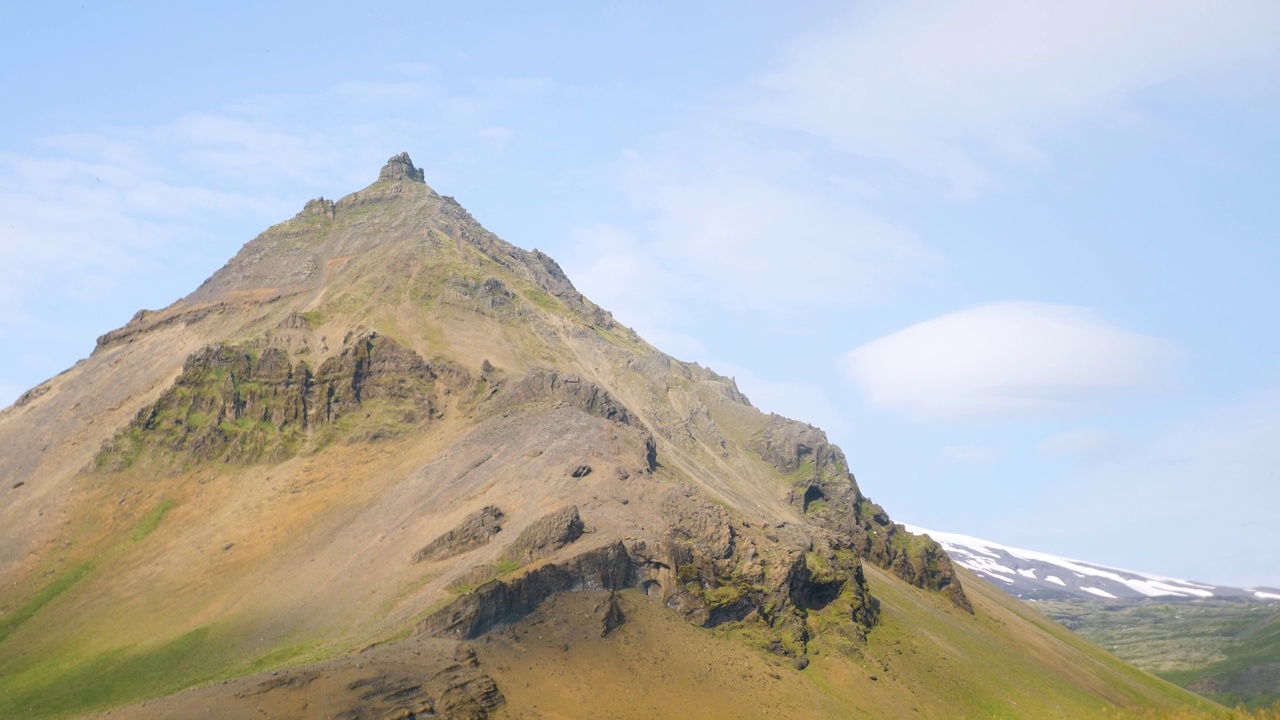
[[1224, 650], [927, 659]]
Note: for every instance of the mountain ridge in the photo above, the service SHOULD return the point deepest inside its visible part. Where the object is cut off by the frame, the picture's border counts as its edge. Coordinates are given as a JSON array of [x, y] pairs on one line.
[[381, 430], [1018, 571]]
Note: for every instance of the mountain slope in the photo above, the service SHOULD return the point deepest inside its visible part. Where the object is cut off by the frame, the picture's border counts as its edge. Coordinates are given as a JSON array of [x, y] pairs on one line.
[[1034, 575], [381, 427], [1222, 642]]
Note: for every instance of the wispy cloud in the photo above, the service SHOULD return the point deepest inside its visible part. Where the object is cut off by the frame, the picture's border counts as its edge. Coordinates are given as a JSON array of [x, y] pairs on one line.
[[955, 91], [1009, 360], [737, 232], [86, 214]]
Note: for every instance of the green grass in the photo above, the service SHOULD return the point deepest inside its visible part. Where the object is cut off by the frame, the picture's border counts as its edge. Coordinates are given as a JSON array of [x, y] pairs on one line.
[[723, 596], [1215, 643], [542, 300], [152, 520], [986, 665], [60, 688], [73, 682], [503, 567], [12, 621]]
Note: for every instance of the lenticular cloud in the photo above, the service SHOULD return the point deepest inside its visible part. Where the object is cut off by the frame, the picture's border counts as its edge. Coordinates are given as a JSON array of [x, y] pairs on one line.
[[1009, 360]]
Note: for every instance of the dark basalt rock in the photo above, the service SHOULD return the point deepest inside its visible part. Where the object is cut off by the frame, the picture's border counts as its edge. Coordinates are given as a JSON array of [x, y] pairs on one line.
[[572, 390], [237, 404], [400, 167], [477, 529], [703, 570], [825, 491], [611, 617], [500, 602], [545, 536]]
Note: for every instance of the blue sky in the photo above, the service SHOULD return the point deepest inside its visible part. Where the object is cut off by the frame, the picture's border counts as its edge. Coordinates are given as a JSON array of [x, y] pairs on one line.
[[1018, 259]]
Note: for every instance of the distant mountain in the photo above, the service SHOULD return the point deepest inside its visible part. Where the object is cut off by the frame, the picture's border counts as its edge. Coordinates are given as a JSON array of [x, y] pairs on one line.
[[1033, 575]]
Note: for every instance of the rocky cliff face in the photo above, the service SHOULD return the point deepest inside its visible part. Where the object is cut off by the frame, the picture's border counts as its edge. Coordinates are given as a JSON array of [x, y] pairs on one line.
[[240, 404], [824, 490]]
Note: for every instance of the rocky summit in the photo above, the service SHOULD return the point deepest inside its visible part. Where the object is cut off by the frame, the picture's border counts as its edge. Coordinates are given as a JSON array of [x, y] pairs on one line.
[[385, 464]]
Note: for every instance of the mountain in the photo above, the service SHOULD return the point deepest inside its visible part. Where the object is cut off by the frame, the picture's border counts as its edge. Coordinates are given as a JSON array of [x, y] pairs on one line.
[[384, 464], [1032, 575], [1222, 642]]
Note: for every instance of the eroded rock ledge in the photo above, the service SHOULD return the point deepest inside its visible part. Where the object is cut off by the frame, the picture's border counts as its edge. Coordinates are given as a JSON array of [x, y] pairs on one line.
[[824, 490], [241, 404], [772, 581]]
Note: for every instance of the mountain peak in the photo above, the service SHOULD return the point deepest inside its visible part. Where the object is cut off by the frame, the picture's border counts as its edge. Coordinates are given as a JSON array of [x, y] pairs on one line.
[[400, 167]]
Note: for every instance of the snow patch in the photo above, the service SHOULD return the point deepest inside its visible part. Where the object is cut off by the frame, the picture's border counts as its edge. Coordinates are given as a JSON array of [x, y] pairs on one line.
[[989, 558], [1265, 595], [1156, 588]]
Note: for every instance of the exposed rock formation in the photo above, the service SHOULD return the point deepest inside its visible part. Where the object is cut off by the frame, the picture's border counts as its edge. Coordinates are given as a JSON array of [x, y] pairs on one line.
[[400, 167], [824, 490], [235, 403], [476, 530], [704, 570], [545, 536], [498, 602]]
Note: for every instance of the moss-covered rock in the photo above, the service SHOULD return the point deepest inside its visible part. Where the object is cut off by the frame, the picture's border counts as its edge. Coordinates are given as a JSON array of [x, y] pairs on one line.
[[237, 404]]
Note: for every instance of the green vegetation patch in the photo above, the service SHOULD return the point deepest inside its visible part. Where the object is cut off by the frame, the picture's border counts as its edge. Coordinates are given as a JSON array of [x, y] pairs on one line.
[[12, 621], [542, 300], [505, 566], [60, 689], [1223, 649], [152, 520]]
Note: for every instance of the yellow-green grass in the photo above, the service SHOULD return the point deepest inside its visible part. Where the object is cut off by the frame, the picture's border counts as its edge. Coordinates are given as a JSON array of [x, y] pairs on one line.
[[1005, 660]]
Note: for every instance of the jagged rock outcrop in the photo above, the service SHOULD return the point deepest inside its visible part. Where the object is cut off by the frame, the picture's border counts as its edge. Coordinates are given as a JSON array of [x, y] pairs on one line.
[[498, 602], [825, 491], [570, 389], [145, 321], [239, 404], [468, 693], [771, 579], [611, 615], [545, 536], [476, 530], [400, 167]]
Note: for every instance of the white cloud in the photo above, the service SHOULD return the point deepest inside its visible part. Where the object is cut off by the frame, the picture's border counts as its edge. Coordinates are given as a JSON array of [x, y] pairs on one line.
[[971, 454], [1085, 445], [949, 90], [1009, 360], [729, 231]]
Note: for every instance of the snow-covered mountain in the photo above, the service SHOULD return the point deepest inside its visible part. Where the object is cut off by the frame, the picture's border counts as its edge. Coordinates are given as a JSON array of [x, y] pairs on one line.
[[1031, 575]]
